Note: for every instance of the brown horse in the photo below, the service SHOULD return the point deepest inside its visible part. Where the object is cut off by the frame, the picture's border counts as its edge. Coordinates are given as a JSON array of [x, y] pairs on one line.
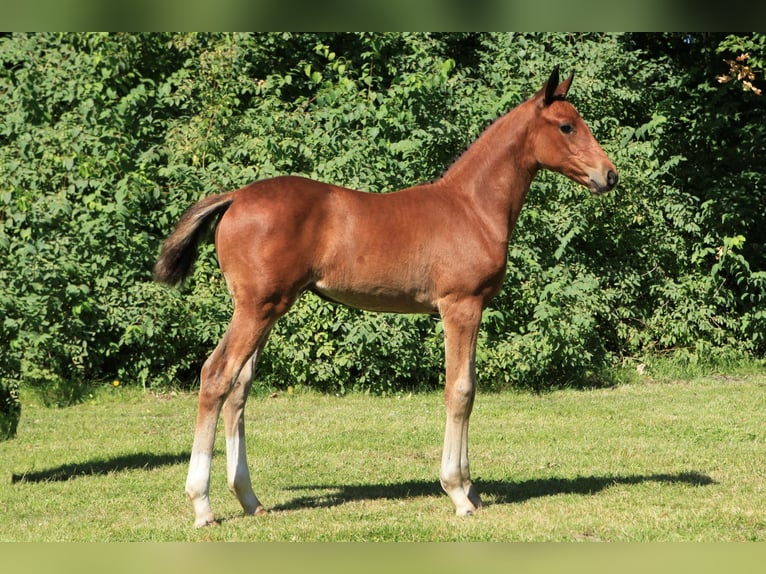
[[434, 248]]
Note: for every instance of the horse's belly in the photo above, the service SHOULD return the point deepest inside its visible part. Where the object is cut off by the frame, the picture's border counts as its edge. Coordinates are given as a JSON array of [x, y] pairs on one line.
[[382, 298]]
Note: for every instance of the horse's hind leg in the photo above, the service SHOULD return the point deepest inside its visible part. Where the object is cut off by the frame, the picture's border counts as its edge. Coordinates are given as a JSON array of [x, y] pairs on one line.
[[221, 374], [237, 470]]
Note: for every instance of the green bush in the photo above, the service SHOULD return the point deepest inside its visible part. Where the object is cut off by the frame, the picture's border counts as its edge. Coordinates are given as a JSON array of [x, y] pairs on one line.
[[107, 139]]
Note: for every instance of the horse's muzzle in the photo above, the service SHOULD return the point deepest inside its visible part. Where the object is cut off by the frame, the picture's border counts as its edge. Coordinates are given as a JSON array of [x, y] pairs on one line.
[[604, 184]]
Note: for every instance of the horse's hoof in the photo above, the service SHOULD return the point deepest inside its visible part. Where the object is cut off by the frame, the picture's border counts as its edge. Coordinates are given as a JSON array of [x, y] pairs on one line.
[[465, 511]]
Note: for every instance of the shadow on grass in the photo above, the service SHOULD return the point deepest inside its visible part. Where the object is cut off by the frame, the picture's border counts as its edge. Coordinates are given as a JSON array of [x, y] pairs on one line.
[[100, 467], [492, 491]]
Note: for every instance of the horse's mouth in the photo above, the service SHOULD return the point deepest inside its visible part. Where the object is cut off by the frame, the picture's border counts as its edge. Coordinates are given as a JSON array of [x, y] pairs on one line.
[[600, 187]]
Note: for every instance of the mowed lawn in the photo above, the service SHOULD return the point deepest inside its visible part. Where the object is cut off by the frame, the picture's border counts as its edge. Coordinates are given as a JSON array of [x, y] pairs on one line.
[[643, 461]]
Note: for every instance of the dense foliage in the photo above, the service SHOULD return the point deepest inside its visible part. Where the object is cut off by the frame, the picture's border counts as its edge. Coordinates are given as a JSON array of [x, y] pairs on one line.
[[106, 139]]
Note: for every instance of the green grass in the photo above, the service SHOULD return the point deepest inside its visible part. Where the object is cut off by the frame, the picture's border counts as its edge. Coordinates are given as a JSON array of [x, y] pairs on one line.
[[638, 462]]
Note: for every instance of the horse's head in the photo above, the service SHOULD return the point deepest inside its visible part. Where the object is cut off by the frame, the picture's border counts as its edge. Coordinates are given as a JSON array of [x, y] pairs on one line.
[[562, 141]]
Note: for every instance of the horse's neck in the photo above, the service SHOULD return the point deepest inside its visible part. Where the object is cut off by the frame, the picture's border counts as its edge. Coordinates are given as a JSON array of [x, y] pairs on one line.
[[494, 174]]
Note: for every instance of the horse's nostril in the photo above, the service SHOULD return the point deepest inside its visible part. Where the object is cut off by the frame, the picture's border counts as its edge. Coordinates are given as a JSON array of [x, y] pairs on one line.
[[611, 178]]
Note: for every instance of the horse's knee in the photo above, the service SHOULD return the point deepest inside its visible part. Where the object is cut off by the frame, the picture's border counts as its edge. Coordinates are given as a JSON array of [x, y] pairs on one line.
[[459, 397]]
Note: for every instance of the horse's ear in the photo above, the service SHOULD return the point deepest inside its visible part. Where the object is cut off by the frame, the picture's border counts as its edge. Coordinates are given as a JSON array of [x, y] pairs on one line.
[[551, 86], [563, 88], [553, 90]]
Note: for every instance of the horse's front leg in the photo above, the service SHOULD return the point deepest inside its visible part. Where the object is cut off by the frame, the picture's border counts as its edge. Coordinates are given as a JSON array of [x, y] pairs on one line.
[[461, 326]]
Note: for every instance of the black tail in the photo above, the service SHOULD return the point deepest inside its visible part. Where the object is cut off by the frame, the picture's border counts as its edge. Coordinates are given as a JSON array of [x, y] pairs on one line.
[[180, 249]]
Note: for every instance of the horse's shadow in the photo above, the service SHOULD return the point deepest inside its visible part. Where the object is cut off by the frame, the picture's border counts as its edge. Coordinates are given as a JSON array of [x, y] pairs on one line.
[[329, 495], [101, 466], [494, 491]]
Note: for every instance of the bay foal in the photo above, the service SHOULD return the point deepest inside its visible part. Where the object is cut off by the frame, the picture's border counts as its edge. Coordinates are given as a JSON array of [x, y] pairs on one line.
[[434, 248]]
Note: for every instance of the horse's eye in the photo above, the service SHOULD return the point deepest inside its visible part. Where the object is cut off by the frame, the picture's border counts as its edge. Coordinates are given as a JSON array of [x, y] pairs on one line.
[[566, 128]]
